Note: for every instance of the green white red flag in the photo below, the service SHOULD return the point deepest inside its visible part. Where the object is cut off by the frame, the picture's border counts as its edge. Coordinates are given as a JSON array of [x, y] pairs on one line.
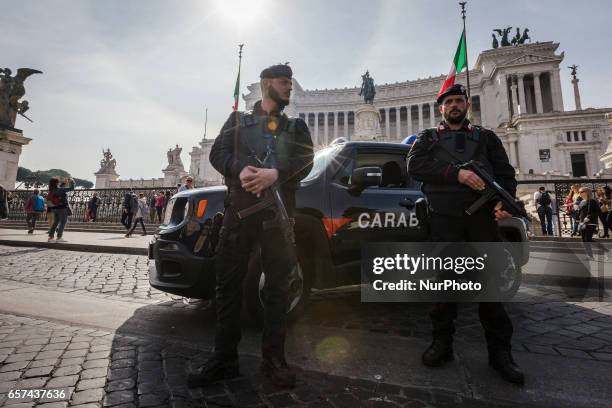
[[459, 64], [237, 91]]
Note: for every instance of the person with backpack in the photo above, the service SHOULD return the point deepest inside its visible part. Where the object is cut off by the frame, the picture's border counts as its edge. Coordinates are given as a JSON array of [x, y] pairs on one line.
[[34, 208], [543, 205], [58, 198]]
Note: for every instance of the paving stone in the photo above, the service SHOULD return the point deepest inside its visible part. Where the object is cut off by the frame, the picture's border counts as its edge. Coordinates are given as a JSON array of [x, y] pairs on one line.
[[61, 382], [31, 383], [120, 385], [13, 358], [118, 397], [92, 395], [93, 373], [38, 372], [100, 363], [67, 370]]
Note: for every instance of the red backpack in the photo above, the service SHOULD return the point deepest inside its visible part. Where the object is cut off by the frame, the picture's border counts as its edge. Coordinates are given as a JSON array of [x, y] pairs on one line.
[[54, 198]]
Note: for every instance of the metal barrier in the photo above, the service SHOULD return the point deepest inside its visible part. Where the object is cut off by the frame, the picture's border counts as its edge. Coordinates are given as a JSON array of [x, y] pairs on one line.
[[109, 210]]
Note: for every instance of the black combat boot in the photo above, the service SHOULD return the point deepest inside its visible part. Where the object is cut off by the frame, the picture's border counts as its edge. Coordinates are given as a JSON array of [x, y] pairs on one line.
[[217, 368], [276, 370], [502, 361], [439, 352]]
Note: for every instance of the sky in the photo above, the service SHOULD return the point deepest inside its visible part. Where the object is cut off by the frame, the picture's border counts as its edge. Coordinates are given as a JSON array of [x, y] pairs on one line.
[[136, 76]]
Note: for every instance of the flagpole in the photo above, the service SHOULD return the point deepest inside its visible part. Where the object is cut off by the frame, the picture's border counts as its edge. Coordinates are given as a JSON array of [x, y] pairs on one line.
[[467, 64], [237, 114], [205, 122]]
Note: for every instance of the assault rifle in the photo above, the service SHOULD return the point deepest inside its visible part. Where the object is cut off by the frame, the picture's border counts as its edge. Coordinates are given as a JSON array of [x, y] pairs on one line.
[[273, 199], [492, 191]]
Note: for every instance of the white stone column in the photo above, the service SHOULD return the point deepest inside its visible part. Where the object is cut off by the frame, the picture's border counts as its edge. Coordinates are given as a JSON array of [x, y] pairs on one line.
[[346, 125], [420, 106], [538, 92], [398, 122], [326, 127], [409, 119], [513, 88], [432, 115], [335, 125], [521, 95], [555, 84], [387, 127], [316, 129], [576, 93]]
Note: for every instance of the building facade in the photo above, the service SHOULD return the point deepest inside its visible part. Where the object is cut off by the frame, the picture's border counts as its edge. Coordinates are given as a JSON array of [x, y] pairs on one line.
[[516, 92]]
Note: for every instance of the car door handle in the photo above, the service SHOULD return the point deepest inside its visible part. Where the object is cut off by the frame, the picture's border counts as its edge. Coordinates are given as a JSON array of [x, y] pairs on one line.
[[407, 203]]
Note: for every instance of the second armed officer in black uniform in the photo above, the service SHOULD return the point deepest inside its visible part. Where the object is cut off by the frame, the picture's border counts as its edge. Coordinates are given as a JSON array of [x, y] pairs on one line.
[[434, 159], [254, 151]]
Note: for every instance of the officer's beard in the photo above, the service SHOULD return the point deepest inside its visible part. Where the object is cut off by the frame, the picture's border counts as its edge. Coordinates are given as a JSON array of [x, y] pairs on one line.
[[277, 98], [456, 119]]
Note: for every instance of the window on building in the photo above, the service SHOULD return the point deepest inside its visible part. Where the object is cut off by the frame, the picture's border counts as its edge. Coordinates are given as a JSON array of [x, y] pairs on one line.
[[575, 135], [583, 135], [569, 136]]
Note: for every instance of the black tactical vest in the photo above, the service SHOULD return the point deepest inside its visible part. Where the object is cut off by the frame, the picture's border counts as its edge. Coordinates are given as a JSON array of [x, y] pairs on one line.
[[456, 147], [260, 146]]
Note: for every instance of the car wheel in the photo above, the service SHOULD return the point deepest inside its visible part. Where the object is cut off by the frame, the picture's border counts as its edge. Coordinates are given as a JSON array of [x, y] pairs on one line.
[[300, 284]]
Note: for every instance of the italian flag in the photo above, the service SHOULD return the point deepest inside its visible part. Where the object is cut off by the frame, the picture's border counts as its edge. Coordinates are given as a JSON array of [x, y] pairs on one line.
[[237, 91], [459, 63]]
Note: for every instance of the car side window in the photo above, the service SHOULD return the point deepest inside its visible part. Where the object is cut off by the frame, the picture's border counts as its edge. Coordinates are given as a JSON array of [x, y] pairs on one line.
[[392, 164]]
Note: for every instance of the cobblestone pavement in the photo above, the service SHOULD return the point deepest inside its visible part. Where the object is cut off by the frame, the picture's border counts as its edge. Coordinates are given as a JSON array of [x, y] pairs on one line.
[[582, 330], [98, 368]]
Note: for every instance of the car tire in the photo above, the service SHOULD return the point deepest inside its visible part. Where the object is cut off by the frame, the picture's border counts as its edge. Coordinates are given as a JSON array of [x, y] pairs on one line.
[[299, 292]]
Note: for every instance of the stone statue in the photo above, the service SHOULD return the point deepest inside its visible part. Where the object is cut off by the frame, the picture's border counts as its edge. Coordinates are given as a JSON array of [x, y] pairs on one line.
[[108, 163], [525, 36], [368, 91], [574, 69], [174, 158], [517, 37], [516, 40], [11, 90], [503, 33]]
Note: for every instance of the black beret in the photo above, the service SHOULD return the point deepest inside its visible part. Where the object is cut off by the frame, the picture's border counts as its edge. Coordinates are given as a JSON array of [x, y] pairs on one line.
[[277, 71], [456, 89]]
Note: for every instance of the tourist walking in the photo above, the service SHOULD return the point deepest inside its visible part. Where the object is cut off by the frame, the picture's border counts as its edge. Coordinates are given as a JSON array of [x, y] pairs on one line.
[[588, 213], [34, 208], [4, 195], [92, 207], [543, 203], [152, 211], [160, 204], [59, 200], [130, 206], [571, 210], [141, 211], [187, 186]]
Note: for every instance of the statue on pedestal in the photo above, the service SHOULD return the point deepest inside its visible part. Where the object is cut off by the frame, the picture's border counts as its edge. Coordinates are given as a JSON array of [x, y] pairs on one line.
[[11, 90], [108, 163], [174, 158], [368, 91]]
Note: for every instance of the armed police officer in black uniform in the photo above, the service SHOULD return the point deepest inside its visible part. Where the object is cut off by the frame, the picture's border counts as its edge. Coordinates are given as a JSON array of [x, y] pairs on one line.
[[434, 159], [254, 151]]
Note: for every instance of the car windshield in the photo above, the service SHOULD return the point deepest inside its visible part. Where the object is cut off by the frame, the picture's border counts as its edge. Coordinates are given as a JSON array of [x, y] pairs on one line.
[[321, 160]]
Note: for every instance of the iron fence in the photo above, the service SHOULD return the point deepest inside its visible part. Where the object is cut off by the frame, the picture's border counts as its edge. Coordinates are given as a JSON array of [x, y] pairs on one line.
[[109, 209]]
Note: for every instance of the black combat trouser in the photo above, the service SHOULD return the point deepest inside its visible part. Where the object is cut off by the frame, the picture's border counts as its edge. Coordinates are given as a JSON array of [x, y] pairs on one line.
[[236, 242], [479, 227]]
